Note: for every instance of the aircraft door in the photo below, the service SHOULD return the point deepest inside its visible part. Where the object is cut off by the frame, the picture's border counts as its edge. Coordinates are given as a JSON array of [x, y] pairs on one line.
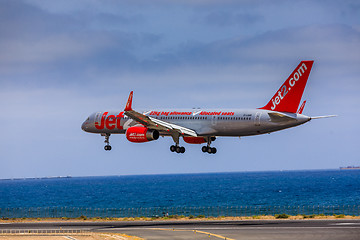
[[257, 118], [213, 120]]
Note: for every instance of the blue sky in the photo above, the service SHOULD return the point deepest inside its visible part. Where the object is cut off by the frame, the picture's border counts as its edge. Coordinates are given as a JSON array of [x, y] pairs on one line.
[[62, 60]]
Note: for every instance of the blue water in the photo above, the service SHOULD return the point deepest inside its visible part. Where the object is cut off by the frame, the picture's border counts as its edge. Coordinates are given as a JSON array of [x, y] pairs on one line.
[[289, 188]]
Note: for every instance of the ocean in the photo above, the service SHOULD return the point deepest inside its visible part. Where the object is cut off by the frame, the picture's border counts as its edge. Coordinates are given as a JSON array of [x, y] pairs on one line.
[[282, 188]]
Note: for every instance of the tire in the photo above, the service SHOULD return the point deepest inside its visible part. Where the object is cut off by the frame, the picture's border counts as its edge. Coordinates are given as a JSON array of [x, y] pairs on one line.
[[178, 149], [213, 150], [182, 149], [204, 149], [172, 148]]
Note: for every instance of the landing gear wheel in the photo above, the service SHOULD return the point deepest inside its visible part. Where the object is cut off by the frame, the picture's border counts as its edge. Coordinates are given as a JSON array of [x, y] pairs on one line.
[[107, 147], [173, 148], [182, 149], [204, 149], [209, 150], [177, 149]]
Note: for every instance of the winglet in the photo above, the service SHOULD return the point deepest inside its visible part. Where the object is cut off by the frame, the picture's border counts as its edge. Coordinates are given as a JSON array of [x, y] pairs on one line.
[[301, 109], [129, 102]]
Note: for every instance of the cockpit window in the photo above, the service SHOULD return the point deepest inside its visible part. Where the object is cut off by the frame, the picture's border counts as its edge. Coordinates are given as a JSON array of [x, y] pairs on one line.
[[88, 119]]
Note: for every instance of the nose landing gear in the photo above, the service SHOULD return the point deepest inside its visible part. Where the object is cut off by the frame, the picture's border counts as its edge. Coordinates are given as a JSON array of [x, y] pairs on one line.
[[107, 146]]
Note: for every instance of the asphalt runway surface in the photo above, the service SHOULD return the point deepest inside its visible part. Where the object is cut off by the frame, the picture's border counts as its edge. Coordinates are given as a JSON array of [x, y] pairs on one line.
[[257, 229]]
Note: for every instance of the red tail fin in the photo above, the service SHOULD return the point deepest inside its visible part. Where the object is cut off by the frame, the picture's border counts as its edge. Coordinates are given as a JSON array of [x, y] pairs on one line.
[[288, 97]]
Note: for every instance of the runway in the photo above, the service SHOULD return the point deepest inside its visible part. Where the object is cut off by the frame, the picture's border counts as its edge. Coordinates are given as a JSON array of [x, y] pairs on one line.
[[180, 230]]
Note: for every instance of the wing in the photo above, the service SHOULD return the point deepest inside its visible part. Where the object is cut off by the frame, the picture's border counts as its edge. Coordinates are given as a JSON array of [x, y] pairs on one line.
[[154, 123]]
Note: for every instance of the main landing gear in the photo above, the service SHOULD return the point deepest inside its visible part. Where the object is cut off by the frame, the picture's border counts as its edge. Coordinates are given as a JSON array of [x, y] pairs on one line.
[[107, 136], [176, 148], [207, 148]]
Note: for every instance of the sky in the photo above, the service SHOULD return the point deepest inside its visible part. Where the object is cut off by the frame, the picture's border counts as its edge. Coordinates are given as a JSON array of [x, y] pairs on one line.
[[60, 61]]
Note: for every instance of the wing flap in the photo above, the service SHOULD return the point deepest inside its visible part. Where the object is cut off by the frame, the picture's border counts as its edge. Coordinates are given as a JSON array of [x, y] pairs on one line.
[[157, 124], [174, 127]]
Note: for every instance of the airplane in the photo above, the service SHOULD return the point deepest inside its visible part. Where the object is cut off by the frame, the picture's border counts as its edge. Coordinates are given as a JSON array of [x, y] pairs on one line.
[[203, 126]]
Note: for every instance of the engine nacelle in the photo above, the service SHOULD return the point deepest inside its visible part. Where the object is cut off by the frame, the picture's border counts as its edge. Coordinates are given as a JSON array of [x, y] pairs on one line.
[[194, 140], [141, 134]]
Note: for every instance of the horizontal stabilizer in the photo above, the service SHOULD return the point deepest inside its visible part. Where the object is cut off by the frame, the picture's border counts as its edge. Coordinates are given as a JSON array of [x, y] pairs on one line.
[[328, 116], [279, 117]]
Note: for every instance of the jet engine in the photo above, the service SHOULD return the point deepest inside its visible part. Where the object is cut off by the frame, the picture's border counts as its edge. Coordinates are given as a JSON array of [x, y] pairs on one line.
[[141, 134]]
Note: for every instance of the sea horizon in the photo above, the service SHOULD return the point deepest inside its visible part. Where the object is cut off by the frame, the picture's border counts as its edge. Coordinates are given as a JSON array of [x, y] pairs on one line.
[[189, 173]]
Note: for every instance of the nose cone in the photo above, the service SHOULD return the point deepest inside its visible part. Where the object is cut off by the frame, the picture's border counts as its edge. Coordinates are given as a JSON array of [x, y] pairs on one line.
[[84, 126]]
